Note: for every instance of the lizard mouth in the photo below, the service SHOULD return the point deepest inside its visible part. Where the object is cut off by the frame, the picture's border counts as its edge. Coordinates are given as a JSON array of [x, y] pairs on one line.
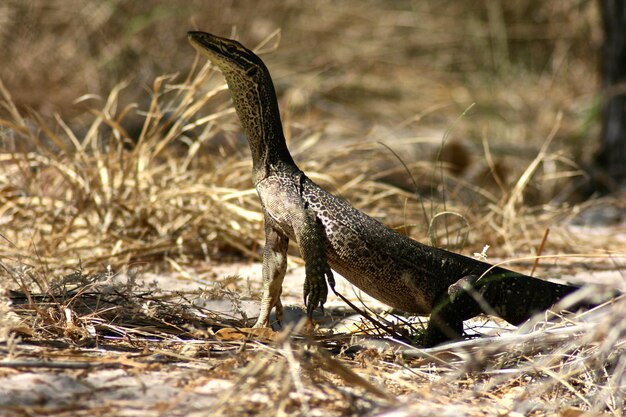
[[203, 42], [207, 43], [227, 54]]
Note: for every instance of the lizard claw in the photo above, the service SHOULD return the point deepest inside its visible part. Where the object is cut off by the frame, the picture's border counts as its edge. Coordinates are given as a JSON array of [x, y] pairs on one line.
[[331, 279], [315, 287]]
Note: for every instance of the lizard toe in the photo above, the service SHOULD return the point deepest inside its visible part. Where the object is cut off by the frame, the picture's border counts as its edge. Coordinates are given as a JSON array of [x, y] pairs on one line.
[[315, 297]]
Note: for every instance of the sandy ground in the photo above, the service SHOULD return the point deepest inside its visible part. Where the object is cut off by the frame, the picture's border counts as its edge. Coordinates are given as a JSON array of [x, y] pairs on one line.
[[124, 383]]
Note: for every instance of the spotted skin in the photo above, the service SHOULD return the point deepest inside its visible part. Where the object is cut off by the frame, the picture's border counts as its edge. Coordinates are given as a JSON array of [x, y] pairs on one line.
[[333, 235]]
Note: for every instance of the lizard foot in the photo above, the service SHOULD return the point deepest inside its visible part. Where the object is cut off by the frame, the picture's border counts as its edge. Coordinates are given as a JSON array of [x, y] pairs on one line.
[[458, 304], [264, 316], [315, 288]]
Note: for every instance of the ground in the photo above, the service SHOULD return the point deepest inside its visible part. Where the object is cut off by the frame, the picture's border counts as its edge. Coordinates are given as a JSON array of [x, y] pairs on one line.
[[130, 232]]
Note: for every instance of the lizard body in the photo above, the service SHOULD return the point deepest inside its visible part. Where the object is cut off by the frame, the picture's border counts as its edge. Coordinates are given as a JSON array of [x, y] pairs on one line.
[[331, 234]]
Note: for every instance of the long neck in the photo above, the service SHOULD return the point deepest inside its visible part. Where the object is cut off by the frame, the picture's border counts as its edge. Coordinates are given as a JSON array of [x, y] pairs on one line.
[[257, 108]]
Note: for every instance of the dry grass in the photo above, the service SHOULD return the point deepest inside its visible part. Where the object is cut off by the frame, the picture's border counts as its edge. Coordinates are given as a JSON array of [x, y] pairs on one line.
[[102, 323], [102, 198], [98, 175]]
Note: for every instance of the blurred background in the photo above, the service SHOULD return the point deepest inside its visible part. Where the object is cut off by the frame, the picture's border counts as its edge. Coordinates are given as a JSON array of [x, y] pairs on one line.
[[350, 65], [364, 87]]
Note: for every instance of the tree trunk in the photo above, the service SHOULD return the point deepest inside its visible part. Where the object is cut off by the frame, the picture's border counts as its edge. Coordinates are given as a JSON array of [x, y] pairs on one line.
[[612, 155]]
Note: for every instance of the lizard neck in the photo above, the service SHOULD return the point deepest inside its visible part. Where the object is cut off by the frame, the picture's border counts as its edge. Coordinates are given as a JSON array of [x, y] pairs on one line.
[[257, 107]]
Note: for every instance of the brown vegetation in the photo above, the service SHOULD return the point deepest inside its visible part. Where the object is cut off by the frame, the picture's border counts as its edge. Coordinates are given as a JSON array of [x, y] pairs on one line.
[[100, 174]]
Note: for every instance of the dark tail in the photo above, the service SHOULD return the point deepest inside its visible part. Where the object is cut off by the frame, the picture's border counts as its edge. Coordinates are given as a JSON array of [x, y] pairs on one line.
[[516, 297], [512, 296]]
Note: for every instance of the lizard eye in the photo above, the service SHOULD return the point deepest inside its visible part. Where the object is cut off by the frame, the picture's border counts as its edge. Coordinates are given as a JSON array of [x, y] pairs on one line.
[[231, 49], [252, 71]]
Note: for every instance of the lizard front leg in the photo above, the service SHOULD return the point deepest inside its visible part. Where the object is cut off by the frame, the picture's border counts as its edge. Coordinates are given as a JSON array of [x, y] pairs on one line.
[[274, 268], [312, 244]]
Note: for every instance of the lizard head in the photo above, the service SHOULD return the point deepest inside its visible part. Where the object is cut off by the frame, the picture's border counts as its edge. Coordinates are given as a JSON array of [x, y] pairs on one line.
[[253, 95], [236, 62]]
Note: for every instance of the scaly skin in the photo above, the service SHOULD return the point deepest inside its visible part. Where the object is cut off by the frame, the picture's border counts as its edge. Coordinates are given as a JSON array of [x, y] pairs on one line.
[[330, 233]]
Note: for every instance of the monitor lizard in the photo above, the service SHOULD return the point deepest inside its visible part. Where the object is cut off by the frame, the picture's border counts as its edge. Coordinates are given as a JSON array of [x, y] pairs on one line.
[[333, 235]]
